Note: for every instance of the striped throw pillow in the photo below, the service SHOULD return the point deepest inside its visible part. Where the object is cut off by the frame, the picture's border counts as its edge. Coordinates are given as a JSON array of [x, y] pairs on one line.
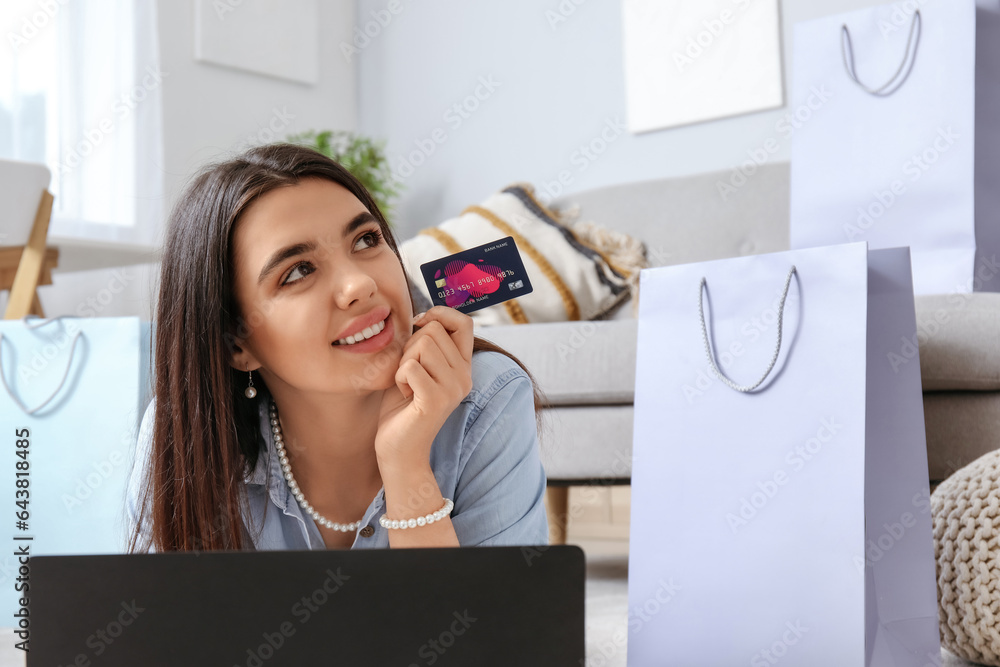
[[571, 278]]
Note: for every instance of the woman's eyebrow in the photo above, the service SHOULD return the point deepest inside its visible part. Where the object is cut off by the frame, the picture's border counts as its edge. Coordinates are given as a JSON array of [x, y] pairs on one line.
[[280, 256], [295, 249]]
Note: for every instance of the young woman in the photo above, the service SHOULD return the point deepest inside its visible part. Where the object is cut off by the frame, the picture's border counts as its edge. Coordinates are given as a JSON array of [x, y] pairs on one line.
[[299, 404]]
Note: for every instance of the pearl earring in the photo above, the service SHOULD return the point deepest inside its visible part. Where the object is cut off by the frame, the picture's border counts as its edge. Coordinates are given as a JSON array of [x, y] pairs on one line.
[[250, 391]]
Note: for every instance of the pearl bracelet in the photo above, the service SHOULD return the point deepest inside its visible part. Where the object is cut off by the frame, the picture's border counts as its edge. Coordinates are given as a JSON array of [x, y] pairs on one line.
[[386, 522]]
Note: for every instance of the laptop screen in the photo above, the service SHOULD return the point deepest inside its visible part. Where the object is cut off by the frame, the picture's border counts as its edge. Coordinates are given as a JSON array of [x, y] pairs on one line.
[[457, 606]]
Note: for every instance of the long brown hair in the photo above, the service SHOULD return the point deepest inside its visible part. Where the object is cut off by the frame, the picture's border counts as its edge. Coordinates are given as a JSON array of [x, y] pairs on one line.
[[206, 435]]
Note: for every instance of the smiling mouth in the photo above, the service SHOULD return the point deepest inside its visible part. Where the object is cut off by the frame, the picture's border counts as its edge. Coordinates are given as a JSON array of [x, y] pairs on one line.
[[364, 334]]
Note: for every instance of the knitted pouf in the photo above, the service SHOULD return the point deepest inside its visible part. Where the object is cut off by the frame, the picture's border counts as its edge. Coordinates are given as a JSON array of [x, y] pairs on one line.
[[966, 511]]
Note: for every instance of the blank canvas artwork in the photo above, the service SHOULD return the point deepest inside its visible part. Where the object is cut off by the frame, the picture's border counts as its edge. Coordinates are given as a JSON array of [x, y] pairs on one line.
[[687, 62], [278, 38]]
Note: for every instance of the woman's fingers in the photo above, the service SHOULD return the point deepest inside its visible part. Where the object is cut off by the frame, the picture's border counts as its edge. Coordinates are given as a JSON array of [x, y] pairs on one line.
[[439, 337], [457, 325], [429, 353], [414, 377]]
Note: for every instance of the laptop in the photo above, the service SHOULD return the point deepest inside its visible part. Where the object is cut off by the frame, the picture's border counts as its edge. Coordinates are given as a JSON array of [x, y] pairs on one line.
[[409, 607]]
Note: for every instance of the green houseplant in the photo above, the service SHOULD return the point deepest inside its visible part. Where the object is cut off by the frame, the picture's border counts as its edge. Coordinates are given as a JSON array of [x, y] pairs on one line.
[[362, 156]]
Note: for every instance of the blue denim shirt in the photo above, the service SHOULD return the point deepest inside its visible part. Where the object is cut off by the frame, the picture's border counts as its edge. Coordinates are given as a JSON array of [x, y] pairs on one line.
[[485, 458]]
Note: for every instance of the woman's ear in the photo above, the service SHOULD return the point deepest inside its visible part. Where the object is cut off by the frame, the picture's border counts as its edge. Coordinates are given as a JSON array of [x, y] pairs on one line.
[[240, 357]]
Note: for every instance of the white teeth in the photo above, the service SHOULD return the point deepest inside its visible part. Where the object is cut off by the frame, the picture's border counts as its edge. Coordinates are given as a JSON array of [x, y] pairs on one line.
[[365, 333]]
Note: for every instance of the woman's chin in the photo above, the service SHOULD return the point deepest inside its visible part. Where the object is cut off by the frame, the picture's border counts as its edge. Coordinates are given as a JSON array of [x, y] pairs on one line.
[[377, 373]]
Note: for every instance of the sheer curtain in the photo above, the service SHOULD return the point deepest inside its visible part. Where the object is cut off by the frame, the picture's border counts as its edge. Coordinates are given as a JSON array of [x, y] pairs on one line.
[[81, 92]]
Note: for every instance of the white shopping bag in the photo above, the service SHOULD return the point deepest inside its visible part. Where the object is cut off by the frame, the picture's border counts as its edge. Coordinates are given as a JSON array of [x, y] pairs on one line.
[[72, 392], [901, 145], [790, 522]]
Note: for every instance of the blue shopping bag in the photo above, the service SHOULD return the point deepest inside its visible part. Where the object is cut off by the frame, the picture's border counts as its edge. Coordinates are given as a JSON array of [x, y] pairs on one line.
[[73, 390]]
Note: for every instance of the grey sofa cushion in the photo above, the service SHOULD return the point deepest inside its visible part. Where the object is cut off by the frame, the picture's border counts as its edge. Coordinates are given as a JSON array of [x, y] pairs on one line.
[[587, 443], [959, 336], [575, 363]]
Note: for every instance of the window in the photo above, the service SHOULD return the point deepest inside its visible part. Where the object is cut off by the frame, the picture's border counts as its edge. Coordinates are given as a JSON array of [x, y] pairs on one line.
[[80, 90]]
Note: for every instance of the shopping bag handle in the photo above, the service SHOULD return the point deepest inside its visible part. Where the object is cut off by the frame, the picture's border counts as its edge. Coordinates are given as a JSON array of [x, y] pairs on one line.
[[899, 78], [708, 346], [69, 364]]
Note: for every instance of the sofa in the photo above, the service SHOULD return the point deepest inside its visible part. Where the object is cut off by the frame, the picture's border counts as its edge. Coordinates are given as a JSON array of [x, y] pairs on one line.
[[587, 369]]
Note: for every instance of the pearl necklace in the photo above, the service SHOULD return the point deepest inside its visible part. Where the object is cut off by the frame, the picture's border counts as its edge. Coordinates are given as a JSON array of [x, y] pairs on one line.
[[286, 470]]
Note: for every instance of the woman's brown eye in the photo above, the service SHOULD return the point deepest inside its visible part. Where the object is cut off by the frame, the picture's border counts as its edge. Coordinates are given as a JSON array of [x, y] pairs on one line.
[[288, 279], [372, 238]]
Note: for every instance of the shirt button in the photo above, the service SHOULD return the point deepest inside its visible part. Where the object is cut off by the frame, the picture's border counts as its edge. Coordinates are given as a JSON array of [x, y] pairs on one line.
[[367, 531]]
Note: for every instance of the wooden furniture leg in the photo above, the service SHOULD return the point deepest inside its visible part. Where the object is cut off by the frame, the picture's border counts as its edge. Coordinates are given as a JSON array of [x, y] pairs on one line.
[[557, 509], [23, 297]]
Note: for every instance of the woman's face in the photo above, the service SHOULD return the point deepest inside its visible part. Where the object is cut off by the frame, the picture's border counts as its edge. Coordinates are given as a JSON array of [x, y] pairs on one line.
[[311, 271]]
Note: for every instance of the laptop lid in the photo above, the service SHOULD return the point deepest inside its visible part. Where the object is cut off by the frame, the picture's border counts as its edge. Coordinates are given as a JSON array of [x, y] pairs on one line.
[[457, 606]]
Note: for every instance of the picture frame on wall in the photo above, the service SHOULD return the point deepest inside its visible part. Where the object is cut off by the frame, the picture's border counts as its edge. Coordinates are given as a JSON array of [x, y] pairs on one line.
[[269, 37], [690, 62]]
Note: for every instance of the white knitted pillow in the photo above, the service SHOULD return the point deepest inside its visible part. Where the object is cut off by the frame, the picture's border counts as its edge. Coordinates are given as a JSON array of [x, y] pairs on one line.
[[966, 510], [572, 279]]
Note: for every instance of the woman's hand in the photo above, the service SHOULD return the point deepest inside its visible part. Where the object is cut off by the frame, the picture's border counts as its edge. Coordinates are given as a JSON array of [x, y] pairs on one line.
[[434, 375]]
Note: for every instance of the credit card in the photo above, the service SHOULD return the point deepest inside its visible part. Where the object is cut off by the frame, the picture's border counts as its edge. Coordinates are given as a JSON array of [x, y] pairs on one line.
[[478, 277]]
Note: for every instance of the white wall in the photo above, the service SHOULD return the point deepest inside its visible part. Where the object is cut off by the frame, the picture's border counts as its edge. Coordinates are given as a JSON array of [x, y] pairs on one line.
[[209, 111], [560, 84]]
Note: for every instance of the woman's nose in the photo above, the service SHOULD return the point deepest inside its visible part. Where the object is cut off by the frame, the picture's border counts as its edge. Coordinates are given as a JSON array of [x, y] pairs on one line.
[[351, 284]]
